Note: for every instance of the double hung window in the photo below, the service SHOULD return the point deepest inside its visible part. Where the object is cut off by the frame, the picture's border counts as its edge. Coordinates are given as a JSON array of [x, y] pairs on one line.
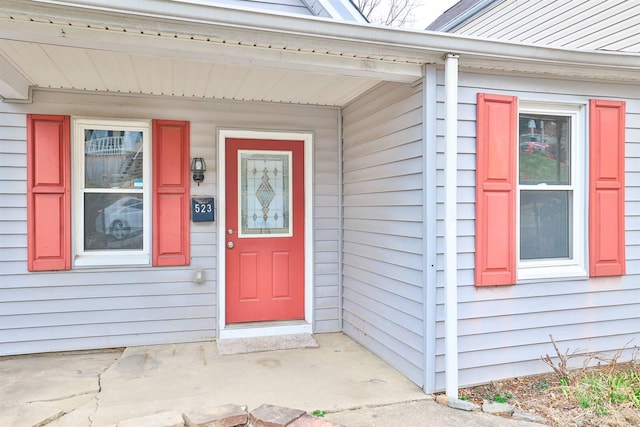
[[551, 191], [112, 188], [107, 192]]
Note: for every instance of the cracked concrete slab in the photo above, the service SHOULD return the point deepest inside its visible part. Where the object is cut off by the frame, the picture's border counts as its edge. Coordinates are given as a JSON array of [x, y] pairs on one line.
[[101, 389], [36, 390], [146, 380]]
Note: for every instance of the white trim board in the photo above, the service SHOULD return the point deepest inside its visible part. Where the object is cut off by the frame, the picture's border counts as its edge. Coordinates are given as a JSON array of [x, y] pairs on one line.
[[268, 328]]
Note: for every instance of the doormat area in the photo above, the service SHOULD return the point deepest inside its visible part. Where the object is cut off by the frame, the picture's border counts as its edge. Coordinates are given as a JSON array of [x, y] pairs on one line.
[[257, 344]]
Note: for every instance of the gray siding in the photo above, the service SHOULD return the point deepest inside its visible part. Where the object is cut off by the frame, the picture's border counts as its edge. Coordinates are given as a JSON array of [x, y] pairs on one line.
[[107, 307], [503, 331], [610, 25], [382, 270]]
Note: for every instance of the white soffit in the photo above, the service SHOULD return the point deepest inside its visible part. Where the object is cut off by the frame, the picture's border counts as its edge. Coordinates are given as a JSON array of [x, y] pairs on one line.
[[59, 67], [71, 55], [13, 84]]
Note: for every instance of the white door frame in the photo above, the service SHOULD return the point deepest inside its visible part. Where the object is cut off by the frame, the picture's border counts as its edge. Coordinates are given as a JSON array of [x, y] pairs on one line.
[[278, 327]]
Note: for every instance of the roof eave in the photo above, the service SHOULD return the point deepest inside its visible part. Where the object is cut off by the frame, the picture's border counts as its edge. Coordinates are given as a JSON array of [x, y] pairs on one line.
[[352, 47]]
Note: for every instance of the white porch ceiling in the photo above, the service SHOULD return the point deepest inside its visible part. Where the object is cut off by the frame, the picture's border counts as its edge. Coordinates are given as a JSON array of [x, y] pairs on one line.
[[76, 53], [61, 67]]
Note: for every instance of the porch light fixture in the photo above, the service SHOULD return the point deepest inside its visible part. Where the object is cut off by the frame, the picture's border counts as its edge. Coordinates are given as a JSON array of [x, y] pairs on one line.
[[198, 167]]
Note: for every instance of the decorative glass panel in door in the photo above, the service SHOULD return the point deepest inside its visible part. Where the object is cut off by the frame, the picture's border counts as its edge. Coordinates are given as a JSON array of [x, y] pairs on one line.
[[264, 181]]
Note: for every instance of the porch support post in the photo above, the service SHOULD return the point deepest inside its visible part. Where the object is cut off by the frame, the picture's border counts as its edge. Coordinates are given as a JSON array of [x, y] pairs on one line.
[[450, 219]]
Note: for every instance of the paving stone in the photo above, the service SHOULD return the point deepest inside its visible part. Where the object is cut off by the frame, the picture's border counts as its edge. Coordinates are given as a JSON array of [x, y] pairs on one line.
[[491, 407], [221, 416], [463, 404], [274, 416], [163, 419], [532, 417], [309, 421]]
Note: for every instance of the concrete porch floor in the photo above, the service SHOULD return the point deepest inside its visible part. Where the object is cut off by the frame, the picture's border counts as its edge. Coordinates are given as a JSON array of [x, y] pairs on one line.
[[103, 387]]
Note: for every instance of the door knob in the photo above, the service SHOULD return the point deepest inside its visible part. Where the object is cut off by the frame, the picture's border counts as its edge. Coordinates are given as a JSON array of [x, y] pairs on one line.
[[230, 231], [230, 245]]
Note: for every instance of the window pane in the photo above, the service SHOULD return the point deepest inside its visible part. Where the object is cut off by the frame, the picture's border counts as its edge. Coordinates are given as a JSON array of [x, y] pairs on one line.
[[545, 225], [113, 221], [545, 142], [264, 187], [113, 159]]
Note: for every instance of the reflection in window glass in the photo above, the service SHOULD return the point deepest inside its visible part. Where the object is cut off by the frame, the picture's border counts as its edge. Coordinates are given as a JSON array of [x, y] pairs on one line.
[[545, 143], [113, 158], [545, 227], [113, 221], [113, 189]]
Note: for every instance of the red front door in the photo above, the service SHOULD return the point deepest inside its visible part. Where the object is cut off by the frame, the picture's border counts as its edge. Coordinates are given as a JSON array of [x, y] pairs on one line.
[[264, 230]]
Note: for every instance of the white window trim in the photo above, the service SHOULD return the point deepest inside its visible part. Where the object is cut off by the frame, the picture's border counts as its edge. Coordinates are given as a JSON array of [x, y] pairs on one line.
[[575, 267], [102, 258]]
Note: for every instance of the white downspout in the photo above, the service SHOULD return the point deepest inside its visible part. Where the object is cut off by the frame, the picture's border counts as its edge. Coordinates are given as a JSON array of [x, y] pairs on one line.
[[450, 220]]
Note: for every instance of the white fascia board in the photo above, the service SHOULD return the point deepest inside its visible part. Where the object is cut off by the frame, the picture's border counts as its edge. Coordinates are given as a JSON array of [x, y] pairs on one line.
[[13, 85], [320, 34], [545, 67]]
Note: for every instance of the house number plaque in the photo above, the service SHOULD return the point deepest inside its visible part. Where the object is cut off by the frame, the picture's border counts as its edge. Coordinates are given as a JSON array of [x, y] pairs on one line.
[[202, 209]]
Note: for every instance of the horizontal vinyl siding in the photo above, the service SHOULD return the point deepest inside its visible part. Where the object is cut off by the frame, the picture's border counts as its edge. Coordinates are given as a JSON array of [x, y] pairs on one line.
[[326, 217], [382, 217], [13, 189], [504, 330], [111, 307], [573, 24]]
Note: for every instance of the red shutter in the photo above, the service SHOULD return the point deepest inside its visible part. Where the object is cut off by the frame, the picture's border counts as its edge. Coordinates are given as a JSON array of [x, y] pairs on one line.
[[495, 261], [48, 193], [171, 185], [606, 188]]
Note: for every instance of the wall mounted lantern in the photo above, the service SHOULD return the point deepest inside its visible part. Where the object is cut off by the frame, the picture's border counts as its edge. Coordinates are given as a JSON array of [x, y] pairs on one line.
[[198, 167]]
